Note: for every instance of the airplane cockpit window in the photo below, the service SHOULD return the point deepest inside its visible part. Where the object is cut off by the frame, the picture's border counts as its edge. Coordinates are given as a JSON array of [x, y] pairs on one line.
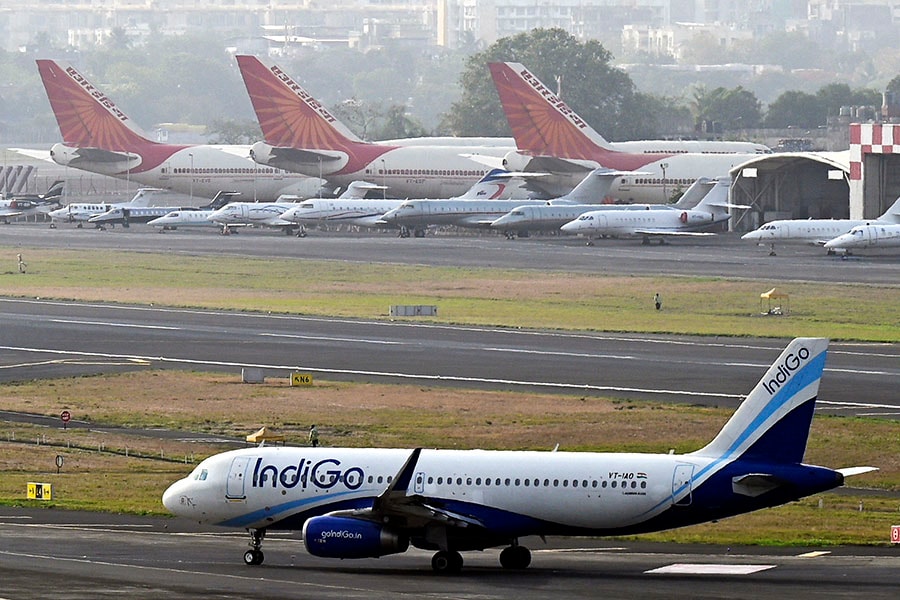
[[200, 474]]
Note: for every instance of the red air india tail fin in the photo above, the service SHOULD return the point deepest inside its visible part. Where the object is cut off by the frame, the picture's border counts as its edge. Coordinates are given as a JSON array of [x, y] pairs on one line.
[[541, 123], [288, 115], [86, 117]]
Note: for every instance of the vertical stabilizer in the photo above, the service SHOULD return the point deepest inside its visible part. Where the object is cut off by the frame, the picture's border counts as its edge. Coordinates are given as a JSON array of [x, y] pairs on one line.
[[87, 118], [892, 214], [772, 424], [695, 193], [288, 115]]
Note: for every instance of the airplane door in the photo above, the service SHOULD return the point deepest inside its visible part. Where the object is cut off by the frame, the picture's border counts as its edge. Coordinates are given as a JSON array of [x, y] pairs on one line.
[[419, 483], [234, 487], [681, 485]]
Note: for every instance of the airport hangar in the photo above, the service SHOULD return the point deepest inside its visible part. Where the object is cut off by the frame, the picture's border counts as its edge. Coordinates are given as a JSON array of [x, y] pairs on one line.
[[859, 183]]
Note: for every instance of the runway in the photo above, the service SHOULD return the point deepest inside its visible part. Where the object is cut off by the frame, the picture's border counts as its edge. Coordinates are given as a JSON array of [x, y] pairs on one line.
[[57, 338], [59, 554]]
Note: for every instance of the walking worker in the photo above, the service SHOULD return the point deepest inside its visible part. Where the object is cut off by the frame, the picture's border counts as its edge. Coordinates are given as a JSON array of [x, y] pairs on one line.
[[22, 265], [657, 301], [313, 436]]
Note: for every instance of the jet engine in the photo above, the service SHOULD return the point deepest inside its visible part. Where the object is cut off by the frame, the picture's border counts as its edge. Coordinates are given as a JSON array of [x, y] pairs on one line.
[[346, 537]]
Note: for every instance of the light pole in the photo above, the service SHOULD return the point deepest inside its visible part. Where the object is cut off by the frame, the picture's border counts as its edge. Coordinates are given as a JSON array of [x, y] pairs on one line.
[[664, 166]]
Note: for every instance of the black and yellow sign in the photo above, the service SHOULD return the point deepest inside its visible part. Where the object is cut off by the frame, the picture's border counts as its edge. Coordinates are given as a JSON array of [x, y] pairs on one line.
[[40, 491], [301, 379]]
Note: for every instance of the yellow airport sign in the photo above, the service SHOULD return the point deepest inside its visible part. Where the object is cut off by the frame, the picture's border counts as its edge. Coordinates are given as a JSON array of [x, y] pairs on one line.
[[39, 491], [301, 379]]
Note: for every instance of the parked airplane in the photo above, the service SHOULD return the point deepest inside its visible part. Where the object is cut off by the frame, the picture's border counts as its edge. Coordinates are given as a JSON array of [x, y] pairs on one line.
[[486, 201], [100, 138], [351, 208], [552, 138], [262, 214], [814, 231], [21, 205], [873, 235], [656, 220], [80, 212], [301, 135], [126, 215], [555, 213], [370, 502], [193, 218]]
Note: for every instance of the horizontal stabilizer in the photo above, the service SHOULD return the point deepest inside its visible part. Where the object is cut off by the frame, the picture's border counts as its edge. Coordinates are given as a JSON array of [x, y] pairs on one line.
[[556, 165], [851, 471]]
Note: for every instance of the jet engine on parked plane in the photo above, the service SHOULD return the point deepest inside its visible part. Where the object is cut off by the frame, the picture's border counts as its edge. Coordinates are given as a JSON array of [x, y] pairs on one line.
[[105, 162], [346, 537], [314, 163]]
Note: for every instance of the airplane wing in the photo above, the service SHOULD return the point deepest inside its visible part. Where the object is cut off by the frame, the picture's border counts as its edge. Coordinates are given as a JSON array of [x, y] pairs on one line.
[[415, 511], [101, 156], [6, 213], [676, 232], [300, 155]]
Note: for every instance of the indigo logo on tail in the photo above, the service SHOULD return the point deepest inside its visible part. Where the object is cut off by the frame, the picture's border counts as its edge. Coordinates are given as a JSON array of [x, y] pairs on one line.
[[785, 370]]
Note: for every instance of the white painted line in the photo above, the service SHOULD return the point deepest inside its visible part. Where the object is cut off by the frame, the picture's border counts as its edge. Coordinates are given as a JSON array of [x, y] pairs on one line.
[[110, 324], [709, 569], [814, 554], [325, 338]]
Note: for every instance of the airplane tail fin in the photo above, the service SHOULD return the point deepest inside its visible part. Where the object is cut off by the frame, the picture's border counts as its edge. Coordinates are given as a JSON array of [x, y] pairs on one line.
[[495, 184], [772, 424], [892, 214], [595, 186], [288, 115], [54, 192], [541, 123], [695, 193], [87, 118]]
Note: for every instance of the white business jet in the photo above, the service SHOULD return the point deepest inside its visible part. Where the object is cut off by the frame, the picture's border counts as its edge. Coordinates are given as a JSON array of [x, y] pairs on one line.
[[81, 212], [873, 235], [371, 502], [814, 231]]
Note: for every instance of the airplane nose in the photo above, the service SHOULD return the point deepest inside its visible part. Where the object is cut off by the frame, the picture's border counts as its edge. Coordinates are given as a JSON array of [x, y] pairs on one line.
[[175, 499], [750, 236]]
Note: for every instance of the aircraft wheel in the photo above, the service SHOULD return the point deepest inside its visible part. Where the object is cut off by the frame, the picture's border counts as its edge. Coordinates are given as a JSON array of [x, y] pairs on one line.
[[253, 557], [515, 557], [447, 562]]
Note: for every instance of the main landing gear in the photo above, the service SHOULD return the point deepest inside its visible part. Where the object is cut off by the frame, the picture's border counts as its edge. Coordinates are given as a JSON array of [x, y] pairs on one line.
[[449, 562], [255, 556]]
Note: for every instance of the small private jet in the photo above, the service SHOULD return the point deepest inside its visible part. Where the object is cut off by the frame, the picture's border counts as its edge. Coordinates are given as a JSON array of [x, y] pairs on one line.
[[372, 502]]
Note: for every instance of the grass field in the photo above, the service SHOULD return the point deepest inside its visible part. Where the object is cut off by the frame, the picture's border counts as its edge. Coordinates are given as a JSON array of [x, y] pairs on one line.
[[120, 472]]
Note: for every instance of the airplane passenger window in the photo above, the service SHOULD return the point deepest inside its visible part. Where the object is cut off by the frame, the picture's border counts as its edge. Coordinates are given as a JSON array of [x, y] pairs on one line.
[[518, 482], [440, 480]]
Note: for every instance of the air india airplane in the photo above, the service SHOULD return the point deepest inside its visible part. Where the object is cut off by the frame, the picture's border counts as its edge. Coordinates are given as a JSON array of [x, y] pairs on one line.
[[301, 135], [100, 138], [552, 138]]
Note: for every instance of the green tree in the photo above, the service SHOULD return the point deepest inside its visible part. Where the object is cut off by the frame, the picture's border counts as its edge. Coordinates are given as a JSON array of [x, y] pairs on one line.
[[795, 109], [600, 93], [233, 132], [736, 108]]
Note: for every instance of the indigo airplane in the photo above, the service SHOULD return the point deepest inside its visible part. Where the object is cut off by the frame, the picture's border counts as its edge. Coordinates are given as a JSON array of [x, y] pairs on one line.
[[370, 502]]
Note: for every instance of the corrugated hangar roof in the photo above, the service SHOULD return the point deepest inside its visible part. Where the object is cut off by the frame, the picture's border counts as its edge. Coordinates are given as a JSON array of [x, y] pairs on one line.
[[791, 185]]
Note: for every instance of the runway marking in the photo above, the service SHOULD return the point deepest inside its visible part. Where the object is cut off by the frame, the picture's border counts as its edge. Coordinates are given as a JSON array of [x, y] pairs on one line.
[[395, 375], [326, 338], [814, 554], [111, 324], [709, 569], [398, 375], [586, 550], [835, 347]]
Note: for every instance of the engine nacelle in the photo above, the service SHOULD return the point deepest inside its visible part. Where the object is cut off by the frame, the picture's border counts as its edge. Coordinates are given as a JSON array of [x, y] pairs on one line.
[[513, 161], [345, 537]]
